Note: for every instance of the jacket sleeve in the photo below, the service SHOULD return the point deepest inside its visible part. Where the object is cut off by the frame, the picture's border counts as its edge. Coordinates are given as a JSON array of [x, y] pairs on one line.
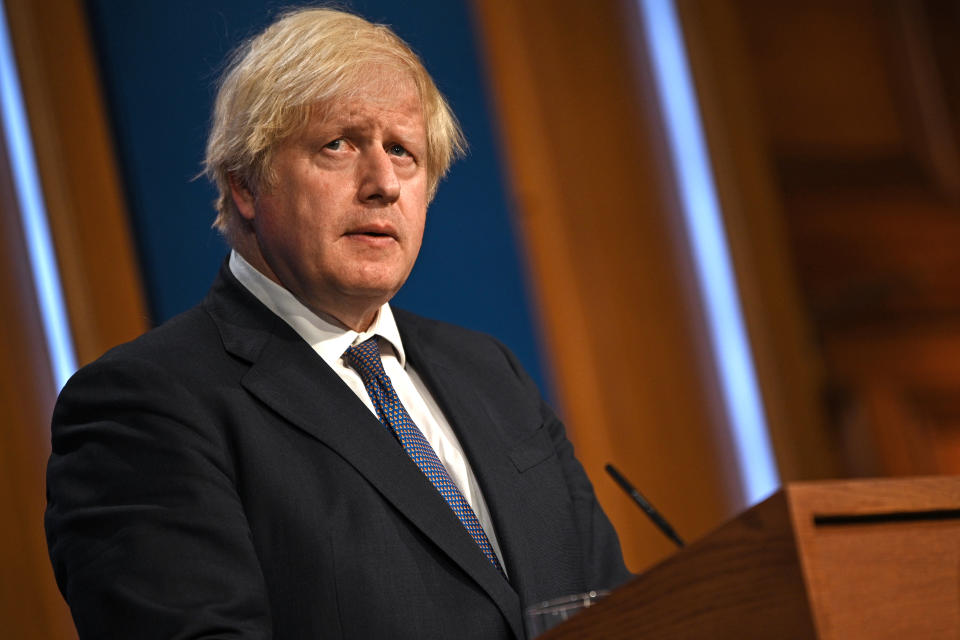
[[145, 529]]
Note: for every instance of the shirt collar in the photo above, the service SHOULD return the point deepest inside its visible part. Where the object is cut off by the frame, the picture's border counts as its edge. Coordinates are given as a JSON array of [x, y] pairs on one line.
[[328, 337]]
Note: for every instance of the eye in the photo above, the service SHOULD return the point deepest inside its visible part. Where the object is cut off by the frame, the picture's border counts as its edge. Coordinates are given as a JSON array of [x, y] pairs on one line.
[[397, 150], [334, 145]]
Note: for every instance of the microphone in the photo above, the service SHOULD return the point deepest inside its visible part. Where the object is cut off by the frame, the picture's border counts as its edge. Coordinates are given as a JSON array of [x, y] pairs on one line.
[[648, 509]]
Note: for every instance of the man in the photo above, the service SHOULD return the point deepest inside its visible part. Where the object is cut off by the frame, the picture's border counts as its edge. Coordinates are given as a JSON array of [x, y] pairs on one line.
[[293, 458]]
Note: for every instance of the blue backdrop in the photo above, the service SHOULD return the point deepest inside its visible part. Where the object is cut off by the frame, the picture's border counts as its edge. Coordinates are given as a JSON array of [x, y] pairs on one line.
[[160, 62]]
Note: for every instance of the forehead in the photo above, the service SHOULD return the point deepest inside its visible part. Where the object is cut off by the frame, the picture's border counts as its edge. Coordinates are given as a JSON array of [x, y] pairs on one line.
[[381, 92]]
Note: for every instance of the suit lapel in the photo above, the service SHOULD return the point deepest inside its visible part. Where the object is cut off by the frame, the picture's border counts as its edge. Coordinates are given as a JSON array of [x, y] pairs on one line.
[[480, 436], [290, 378]]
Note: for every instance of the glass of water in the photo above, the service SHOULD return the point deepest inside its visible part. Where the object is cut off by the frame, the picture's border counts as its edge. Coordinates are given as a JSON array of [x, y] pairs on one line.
[[544, 616]]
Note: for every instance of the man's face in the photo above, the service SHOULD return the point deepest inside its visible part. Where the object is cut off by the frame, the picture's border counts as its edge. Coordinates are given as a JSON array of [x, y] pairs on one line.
[[341, 225]]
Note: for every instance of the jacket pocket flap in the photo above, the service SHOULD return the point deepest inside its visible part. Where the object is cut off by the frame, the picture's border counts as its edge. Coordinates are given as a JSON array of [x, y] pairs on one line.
[[532, 450]]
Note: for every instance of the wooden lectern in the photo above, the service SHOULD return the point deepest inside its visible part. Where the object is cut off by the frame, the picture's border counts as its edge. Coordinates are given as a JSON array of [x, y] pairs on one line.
[[837, 560]]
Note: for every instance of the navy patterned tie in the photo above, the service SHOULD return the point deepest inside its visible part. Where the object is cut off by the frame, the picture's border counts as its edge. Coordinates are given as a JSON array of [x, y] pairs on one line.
[[365, 358]]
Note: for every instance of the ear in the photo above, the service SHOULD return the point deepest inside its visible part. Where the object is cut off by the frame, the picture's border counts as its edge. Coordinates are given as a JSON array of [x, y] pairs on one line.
[[243, 198]]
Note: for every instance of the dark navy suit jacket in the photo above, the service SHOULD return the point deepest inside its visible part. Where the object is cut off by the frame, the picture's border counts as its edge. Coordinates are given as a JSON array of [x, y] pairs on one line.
[[216, 479]]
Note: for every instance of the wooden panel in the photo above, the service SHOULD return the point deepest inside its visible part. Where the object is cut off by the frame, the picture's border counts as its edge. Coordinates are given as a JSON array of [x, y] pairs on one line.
[[30, 605], [787, 358], [888, 572], [743, 581], [824, 80], [598, 216], [899, 398], [75, 158], [849, 560], [856, 113], [100, 280], [894, 576], [877, 257], [921, 88]]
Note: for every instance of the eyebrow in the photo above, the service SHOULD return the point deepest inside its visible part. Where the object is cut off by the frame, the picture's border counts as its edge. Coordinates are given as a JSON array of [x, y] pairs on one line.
[[348, 127]]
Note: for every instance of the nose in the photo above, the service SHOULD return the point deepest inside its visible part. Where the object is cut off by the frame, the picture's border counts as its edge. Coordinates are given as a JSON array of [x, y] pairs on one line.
[[378, 178]]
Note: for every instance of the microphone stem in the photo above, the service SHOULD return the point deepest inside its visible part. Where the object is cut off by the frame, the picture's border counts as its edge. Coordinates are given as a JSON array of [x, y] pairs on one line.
[[648, 509]]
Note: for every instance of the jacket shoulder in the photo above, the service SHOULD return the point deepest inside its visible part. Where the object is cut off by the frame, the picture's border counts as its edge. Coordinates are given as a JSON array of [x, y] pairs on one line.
[[444, 332], [183, 339]]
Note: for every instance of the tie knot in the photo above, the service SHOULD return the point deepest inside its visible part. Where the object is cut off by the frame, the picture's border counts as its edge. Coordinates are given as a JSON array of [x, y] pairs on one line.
[[365, 358]]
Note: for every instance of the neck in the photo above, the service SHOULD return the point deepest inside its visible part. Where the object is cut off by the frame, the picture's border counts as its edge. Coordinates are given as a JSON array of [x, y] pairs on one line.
[[359, 322]]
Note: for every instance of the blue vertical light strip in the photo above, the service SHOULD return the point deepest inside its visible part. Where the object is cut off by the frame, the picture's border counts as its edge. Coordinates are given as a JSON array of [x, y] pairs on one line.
[[714, 269], [26, 181]]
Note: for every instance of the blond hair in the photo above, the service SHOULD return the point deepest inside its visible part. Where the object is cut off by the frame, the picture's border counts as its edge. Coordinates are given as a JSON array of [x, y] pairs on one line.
[[308, 58]]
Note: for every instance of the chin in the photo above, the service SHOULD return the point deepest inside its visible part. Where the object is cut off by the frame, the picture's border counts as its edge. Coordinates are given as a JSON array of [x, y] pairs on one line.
[[374, 284], [372, 291]]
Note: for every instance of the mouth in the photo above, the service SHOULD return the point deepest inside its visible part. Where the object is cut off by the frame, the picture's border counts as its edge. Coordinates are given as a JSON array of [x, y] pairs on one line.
[[373, 231]]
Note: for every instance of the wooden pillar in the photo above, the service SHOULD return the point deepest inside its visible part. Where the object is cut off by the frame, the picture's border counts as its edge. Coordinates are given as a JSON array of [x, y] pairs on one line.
[[786, 356], [30, 606], [84, 200], [599, 219], [100, 279]]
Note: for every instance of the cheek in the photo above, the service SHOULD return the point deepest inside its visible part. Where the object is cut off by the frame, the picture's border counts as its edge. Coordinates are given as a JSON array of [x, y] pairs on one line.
[[418, 206], [416, 234], [298, 219], [286, 235]]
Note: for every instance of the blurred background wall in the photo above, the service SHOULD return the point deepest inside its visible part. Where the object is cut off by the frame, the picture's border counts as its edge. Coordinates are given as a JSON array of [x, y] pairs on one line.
[[831, 132]]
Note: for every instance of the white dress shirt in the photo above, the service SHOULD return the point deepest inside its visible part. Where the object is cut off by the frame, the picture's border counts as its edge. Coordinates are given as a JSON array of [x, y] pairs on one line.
[[330, 340]]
